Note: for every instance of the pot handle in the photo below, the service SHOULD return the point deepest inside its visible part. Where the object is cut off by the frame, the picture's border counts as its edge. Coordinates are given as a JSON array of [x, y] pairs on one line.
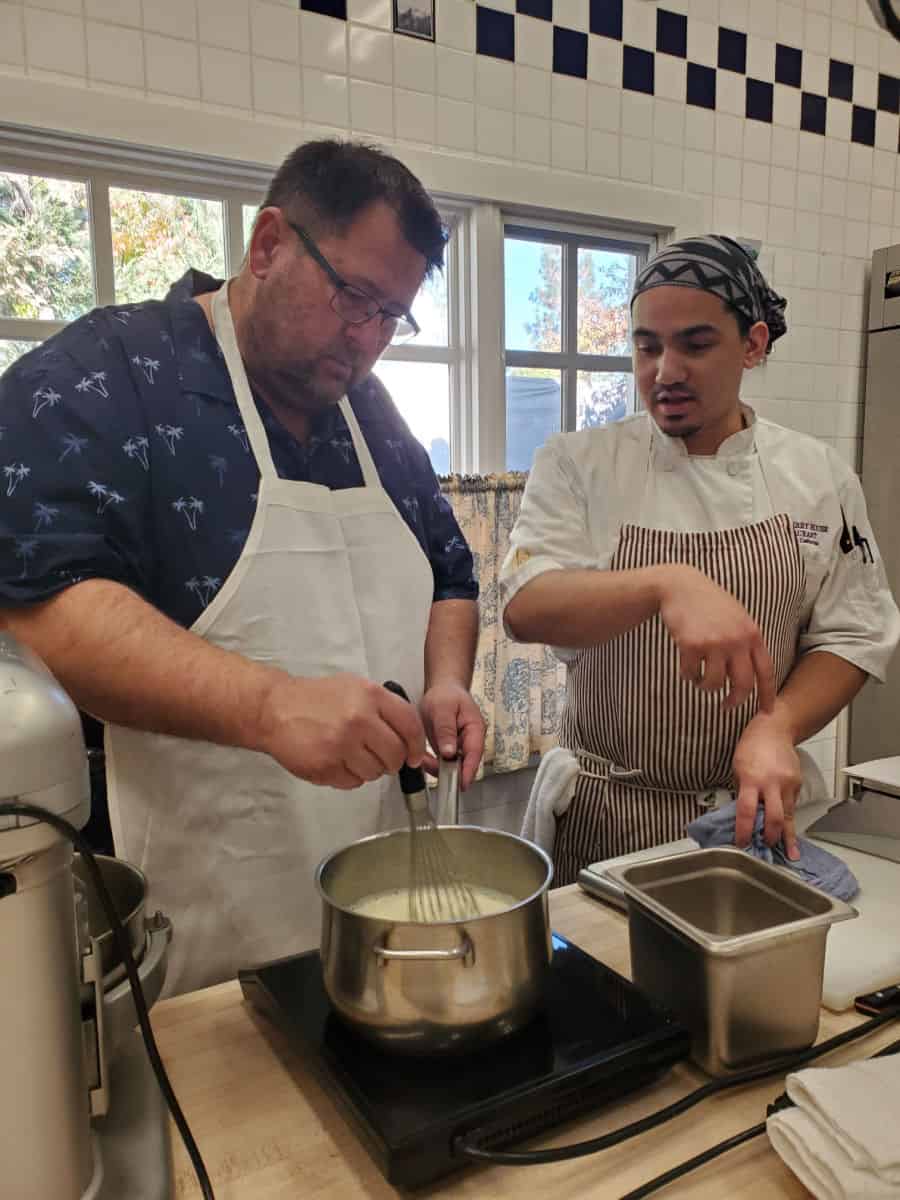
[[464, 951]]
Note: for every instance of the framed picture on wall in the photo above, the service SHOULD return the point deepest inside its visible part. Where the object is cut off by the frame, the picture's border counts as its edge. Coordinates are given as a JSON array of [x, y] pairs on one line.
[[415, 18]]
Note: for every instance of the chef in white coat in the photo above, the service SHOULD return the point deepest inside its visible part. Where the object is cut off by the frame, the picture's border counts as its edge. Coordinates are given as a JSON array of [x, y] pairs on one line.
[[709, 577], [245, 744]]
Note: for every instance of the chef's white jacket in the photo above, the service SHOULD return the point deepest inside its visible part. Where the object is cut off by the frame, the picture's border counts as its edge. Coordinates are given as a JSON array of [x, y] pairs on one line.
[[584, 486]]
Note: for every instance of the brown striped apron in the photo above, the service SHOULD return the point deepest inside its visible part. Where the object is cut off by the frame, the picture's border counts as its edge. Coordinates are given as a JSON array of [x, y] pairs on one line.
[[651, 745]]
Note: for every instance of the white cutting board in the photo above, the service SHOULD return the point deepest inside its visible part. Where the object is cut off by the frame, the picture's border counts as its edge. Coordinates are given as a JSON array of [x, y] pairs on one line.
[[863, 954]]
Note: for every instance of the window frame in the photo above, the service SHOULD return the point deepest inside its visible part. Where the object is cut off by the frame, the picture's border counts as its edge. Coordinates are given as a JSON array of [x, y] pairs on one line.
[[568, 360], [98, 182]]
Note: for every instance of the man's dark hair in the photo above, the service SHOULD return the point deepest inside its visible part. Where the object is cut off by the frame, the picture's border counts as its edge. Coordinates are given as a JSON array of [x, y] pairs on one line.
[[325, 185]]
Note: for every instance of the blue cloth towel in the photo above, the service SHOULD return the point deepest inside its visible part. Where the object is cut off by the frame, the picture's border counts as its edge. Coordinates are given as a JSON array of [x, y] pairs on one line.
[[815, 865]]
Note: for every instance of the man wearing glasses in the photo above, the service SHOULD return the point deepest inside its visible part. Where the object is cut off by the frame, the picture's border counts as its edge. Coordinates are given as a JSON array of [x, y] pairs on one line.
[[232, 540]]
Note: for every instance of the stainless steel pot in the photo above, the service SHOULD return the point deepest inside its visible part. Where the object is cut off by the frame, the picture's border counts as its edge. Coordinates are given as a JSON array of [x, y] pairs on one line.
[[436, 988]]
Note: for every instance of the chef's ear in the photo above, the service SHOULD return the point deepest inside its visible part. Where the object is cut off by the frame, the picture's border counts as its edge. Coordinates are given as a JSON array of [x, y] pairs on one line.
[[270, 234], [756, 344]]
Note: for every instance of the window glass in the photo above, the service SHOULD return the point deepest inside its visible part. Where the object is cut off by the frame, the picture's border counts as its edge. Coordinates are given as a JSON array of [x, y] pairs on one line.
[[533, 413], [604, 290], [46, 266], [248, 216], [421, 391], [533, 287], [10, 350], [430, 309], [603, 396], [156, 237]]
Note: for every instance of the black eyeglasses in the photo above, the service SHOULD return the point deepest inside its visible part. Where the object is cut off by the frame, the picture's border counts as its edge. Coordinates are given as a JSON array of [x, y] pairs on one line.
[[354, 305]]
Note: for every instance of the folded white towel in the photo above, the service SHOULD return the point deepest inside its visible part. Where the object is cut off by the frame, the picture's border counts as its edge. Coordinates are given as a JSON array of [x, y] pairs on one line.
[[551, 795], [842, 1140]]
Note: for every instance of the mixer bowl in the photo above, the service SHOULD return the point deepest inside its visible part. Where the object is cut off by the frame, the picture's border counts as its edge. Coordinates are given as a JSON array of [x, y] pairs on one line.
[[443, 987], [148, 938]]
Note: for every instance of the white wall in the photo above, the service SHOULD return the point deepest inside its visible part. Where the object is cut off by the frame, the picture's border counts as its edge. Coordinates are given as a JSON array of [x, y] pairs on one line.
[[248, 79]]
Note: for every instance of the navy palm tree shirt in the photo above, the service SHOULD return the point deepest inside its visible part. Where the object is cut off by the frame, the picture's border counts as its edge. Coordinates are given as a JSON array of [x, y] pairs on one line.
[[123, 456]]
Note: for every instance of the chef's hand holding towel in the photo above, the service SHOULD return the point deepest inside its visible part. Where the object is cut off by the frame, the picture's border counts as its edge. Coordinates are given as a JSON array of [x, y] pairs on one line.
[[551, 795], [842, 1140]]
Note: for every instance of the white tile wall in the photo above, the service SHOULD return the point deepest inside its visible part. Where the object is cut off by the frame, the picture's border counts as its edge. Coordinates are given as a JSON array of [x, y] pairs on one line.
[[225, 77], [370, 12], [323, 42], [325, 98], [456, 26], [371, 54], [532, 139], [177, 18], [224, 23], [415, 64], [119, 12], [12, 35], [54, 41], [115, 54], [456, 74], [371, 108], [65, 6], [415, 116], [495, 131], [275, 31], [173, 66], [276, 87]]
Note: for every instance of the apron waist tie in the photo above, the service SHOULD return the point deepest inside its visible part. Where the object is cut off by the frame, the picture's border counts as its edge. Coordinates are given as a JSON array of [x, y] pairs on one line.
[[610, 772]]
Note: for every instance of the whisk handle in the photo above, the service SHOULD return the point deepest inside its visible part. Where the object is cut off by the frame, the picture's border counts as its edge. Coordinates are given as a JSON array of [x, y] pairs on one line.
[[412, 779]]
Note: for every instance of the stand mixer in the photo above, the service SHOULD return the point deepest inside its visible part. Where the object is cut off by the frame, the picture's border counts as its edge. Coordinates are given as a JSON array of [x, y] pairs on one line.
[[80, 1112]]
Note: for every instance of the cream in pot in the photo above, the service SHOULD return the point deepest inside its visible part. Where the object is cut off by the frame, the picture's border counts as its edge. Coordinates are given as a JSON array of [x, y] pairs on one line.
[[394, 904]]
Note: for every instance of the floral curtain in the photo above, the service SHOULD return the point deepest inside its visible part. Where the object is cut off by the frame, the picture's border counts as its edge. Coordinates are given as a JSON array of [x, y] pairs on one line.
[[520, 689]]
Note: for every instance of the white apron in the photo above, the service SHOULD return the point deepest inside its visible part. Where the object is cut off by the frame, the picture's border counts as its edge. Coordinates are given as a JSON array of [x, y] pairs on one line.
[[651, 745], [328, 582]]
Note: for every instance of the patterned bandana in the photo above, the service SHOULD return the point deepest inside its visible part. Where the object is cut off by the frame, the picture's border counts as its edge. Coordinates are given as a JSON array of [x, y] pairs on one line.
[[719, 265]]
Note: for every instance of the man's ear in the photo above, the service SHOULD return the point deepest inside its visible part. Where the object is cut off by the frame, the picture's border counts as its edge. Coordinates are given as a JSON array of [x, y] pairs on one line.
[[756, 344], [267, 238]]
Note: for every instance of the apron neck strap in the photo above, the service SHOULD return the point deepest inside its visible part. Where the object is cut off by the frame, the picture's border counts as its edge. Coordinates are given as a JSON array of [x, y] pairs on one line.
[[225, 336], [366, 462]]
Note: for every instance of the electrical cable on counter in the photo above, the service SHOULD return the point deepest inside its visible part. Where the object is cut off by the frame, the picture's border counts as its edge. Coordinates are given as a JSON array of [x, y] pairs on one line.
[[699, 1160], [467, 1143], [123, 947]]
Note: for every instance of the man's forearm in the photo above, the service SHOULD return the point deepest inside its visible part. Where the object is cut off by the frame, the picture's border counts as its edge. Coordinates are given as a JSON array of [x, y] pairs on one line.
[[124, 662], [450, 643], [584, 608], [817, 689]]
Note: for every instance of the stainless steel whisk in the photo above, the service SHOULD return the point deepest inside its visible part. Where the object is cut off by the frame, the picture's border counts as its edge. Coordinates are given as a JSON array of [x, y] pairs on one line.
[[437, 891]]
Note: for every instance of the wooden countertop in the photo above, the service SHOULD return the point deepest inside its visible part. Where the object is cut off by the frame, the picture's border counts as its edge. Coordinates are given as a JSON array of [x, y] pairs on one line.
[[268, 1131]]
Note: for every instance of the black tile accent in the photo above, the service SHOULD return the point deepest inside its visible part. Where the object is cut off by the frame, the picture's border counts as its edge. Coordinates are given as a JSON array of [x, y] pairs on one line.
[[536, 8], [671, 33], [701, 86], [760, 98], [732, 50], [570, 51], [327, 8], [812, 113], [840, 80], [606, 18], [788, 65], [888, 93], [495, 33], [637, 70], [862, 128]]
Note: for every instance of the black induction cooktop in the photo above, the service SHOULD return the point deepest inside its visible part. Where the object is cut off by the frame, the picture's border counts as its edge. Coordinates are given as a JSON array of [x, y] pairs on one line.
[[596, 1038]]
